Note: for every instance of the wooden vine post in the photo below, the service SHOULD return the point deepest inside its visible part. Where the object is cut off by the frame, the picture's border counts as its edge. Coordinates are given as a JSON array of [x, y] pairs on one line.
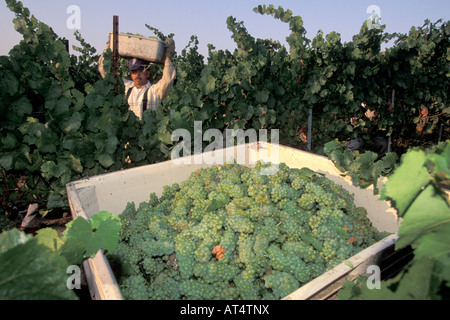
[[116, 50], [310, 115], [392, 114]]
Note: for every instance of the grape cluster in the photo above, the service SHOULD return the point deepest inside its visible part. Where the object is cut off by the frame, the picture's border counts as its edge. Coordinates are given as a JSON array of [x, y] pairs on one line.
[[135, 288], [301, 249], [277, 231], [282, 191], [281, 283]]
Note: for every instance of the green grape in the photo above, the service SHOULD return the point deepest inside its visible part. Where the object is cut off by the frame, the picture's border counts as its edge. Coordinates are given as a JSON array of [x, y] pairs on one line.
[[246, 288], [239, 223], [203, 251], [216, 271], [226, 291], [135, 288], [153, 201], [298, 183], [193, 289], [307, 201], [245, 248], [164, 287], [231, 189], [218, 196], [282, 191], [260, 193], [152, 266], [157, 248], [281, 283], [229, 242], [185, 250], [197, 192], [303, 250], [261, 244], [281, 175]]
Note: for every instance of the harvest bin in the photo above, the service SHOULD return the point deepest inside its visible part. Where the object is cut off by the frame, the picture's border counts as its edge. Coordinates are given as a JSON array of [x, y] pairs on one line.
[[111, 192], [131, 46]]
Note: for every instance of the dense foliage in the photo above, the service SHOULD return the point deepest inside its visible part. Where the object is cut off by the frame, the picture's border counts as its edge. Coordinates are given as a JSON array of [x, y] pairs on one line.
[[364, 168], [418, 192], [37, 267], [231, 232]]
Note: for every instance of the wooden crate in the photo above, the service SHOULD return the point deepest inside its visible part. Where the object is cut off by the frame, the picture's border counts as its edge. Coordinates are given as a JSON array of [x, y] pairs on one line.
[[111, 192]]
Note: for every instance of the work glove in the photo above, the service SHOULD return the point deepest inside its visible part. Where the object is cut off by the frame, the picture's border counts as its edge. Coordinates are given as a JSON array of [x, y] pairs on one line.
[[170, 50]]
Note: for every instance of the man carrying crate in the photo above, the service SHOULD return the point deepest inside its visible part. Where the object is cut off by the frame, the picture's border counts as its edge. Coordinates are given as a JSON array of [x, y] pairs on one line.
[[141, 94]]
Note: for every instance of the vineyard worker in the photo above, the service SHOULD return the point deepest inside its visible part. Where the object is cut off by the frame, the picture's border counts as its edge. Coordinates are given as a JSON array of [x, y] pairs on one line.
[[139, 90]]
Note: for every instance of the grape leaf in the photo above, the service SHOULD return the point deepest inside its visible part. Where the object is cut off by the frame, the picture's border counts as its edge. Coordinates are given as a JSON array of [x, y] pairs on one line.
[[12, 238], [75, 239], [100, 218], [49, 238], [262, 96], [412, 285], [7, 161], [428, 213], [215, 204], [106, 236], [105, 160], [31, 270], [407, 181], [72, 123]]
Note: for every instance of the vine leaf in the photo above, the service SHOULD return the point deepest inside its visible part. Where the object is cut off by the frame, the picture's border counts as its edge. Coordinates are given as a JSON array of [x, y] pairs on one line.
[[428, 219], [407, 181], [106, 234], [31, 270]]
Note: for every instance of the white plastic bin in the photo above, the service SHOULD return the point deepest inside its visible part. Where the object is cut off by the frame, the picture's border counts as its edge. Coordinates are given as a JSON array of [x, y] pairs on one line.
[[131, 46], [112, 192]]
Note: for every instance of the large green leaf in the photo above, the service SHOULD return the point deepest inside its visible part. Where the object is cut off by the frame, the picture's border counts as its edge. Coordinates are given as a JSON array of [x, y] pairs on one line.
[[407, 181], [30, 270], [75, 239], [12, 238], [73, 123], [7, 161], [49, 238], [9, 142], [411, 285], [82, 239], [262, 96], [105, 160], [106, 236], [428, 213]]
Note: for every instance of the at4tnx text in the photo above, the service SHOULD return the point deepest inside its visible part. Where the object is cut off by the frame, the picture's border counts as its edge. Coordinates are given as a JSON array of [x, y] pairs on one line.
[[233, 309]]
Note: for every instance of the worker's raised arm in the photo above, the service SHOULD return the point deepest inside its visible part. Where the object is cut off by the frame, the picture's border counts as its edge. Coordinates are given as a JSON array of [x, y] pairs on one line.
[[101, 70], [162, 87]]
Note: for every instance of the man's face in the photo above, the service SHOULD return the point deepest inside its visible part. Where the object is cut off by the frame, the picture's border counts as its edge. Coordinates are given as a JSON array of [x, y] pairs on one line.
[[140, 77]]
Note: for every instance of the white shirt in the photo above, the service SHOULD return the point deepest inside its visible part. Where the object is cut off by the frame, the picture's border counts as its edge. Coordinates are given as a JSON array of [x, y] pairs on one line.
[[155, 93]]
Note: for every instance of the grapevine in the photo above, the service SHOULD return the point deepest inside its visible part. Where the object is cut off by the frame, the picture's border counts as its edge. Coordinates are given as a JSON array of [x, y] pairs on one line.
[[425, 276]]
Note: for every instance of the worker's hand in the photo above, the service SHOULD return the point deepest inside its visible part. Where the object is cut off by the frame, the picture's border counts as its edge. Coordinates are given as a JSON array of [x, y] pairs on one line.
[[170, 50]]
